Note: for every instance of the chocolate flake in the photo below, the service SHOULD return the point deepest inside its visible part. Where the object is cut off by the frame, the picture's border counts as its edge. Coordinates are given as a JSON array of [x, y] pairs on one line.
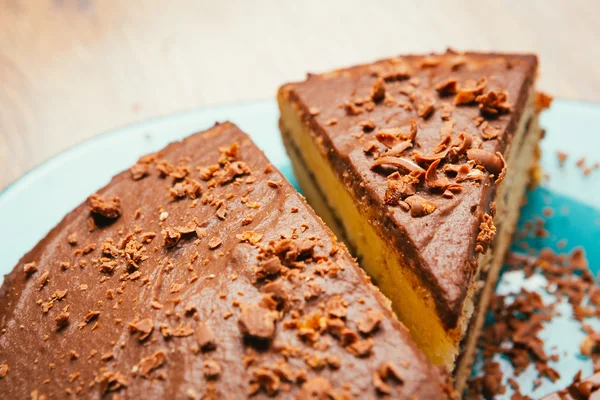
[[30, 268], [3, 370], [486, 234], [447, 87], [370, 321], [107, 207], [152, 362], [206, 337], [211, 369], [420, 207], [257, 321], [468, 92], [143, 327], [378, 90]]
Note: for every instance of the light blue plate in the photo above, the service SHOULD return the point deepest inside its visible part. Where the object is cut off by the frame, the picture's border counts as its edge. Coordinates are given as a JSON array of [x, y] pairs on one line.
[[30, 207]]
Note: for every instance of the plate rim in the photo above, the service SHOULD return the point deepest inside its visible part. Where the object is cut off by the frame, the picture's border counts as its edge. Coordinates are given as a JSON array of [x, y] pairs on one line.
[[134, 125]]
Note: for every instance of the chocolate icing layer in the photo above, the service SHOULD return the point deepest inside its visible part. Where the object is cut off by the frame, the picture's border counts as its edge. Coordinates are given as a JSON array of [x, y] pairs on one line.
[[355, 111], [201, 273]]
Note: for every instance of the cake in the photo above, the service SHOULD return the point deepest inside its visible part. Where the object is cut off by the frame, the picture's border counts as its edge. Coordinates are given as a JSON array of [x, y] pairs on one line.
[[579, 389], [419, 164], [200, 273]]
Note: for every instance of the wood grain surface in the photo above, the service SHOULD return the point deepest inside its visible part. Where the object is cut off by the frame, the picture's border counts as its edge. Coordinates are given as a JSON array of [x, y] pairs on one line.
[[72, 69]]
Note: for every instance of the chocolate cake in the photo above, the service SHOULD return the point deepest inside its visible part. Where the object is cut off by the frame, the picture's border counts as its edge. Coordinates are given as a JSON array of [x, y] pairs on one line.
[[201, 273], [420, 163]]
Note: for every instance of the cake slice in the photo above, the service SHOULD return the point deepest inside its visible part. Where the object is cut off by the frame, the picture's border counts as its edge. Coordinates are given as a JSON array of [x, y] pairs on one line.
[[420, 163], [200, 273]]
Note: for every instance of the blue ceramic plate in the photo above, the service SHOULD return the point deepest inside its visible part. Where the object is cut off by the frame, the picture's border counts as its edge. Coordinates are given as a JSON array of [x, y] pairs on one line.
[[30, 207]]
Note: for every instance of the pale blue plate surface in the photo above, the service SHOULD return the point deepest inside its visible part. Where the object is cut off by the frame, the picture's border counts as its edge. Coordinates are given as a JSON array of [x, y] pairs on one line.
[[30, 207]]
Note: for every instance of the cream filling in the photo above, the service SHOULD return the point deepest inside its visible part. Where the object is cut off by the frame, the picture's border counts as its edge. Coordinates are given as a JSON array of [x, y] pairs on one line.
[[411, 300]]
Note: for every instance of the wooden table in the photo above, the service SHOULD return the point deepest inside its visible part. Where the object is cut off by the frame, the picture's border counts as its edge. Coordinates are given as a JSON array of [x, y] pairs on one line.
[[70, 69]]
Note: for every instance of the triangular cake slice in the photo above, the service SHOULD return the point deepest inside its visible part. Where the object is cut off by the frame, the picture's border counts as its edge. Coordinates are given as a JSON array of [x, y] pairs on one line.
[[420, 164], [200, 273]]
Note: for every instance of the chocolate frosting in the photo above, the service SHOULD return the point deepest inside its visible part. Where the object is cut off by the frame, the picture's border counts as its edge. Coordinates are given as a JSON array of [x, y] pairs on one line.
[[201, 273], [354, 118]]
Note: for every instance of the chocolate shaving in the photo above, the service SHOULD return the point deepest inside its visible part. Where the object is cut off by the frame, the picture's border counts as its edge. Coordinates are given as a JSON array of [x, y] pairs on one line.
[[378, 90], [233, 170], [493, 163], [398, 162], [206, 337], [370, 321], [257, 321], [488, 132], [107, 207], [486, 234], [469, 91], [447, 87], [400, 187], [432, 179], [143, 327], [152, 362], [420, 207], [493, 103]]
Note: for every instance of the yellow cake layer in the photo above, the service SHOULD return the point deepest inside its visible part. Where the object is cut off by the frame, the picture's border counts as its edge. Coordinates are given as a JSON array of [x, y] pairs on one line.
[[411, 300]]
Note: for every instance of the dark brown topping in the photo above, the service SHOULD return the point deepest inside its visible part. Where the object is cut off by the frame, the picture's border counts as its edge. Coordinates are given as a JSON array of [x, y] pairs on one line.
[[257, 321], [468, 92], [107, 207], [420, 207], [206, 337]]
